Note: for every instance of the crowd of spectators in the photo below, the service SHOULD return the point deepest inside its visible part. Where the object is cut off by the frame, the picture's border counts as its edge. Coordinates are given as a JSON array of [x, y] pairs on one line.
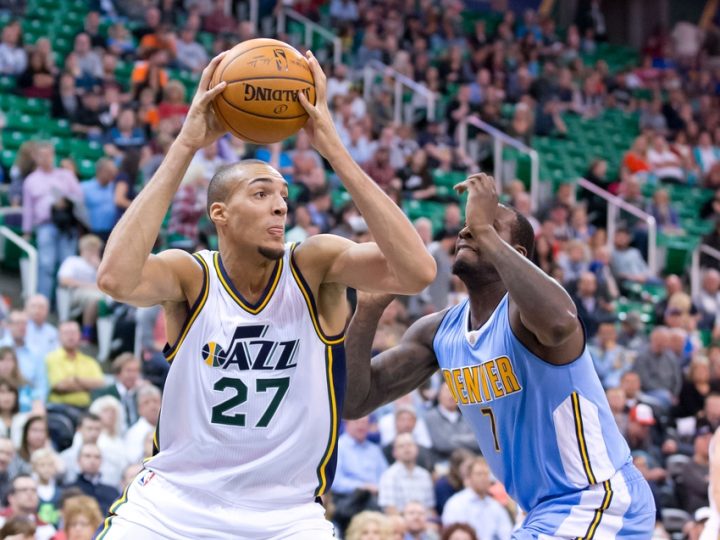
[[412, 469]]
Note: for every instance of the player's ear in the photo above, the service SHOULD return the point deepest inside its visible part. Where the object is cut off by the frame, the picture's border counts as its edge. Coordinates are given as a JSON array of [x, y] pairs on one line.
[[521, 250], [218, 213]]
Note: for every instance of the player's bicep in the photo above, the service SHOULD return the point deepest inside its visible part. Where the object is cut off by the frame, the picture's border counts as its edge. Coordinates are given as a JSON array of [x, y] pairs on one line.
[[364, 267], [408, 365], [163, 279]]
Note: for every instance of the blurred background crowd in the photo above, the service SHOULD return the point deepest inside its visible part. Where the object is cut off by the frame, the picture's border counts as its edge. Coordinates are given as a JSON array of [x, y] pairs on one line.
[[93, 92]]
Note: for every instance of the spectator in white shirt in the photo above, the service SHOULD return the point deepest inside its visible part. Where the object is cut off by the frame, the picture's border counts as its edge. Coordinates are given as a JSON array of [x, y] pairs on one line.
[[79, 274], [13, 58], [338, 84], [664, 163], [405, 481], [708, 298], [407, 423], [88, 60], [87, 432], [41, 336], [190, 54], [477, 508], [149, 408]]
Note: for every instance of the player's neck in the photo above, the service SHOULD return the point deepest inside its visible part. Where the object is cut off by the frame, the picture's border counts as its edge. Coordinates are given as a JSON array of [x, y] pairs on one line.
[[484, 301], [249, 272]]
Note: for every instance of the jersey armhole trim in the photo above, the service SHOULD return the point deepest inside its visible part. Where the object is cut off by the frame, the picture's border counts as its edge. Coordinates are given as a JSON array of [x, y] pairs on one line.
[[169, 351], [437, 330], [310, 301]]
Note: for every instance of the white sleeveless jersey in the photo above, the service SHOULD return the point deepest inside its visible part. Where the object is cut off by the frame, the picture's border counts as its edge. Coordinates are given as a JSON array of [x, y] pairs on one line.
[[251, 406]]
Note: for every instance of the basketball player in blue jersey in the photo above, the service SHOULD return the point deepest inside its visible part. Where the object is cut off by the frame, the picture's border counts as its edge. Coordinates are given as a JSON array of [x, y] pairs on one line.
[[247, 435], [515, 359]]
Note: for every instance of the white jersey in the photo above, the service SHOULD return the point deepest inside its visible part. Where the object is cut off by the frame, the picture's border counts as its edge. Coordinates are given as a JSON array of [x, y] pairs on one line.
[[250, 412]]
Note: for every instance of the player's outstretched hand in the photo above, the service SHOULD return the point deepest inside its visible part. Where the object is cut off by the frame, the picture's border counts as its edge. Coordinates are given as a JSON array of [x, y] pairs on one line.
[[201, 126], [320, 126], [482, 201]]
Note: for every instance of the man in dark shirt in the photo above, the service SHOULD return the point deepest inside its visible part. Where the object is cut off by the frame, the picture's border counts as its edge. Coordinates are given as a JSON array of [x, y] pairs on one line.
[[88, 480], [692, 482]]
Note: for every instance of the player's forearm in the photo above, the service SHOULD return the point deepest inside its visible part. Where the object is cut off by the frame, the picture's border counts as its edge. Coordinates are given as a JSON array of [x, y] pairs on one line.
[[358, 361], [398, 241], [375, 381], [134, 236], [546, 309]]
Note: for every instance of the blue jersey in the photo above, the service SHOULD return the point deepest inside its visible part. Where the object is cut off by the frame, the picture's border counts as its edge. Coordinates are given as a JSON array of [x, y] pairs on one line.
[[545, 430]]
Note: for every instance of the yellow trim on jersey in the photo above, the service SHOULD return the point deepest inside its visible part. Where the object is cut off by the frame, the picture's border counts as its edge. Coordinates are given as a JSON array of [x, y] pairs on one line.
[[581, 438], [267, 293], [599, 512], [333, 423], [194, 310], [312, 308], [111, 511]]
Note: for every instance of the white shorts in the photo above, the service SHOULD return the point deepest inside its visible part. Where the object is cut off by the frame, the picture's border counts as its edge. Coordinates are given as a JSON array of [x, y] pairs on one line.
[[153, 508]]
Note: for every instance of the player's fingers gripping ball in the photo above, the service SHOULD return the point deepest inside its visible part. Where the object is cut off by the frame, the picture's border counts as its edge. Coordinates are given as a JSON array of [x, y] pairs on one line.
[[260, 103]]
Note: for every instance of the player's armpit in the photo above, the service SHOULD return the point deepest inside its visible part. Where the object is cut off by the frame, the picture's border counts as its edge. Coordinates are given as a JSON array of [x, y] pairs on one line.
[[334, 259], [392, 373], [171, 276]]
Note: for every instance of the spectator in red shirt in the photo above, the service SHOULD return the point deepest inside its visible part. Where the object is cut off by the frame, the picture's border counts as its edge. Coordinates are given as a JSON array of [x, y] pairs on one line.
[[379, 168], [173, 105], [219, 20]]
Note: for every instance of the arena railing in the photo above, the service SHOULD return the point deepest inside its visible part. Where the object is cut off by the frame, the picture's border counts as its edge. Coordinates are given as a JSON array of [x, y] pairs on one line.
[[311, 28], [695, 270], [28, 265], [500, 139], [400, 82], [614, 205]]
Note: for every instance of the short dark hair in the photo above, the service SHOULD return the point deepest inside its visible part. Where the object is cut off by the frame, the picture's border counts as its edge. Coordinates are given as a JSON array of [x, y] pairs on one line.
[[89, 416], [220, 183], [521, 232]]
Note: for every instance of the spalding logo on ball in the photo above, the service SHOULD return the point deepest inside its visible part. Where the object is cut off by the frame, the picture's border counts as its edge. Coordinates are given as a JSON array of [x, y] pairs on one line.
[[213, 355], [260, 102]]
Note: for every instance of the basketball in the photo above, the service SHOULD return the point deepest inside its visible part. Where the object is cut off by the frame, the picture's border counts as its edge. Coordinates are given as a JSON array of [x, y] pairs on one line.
[[260, 102]]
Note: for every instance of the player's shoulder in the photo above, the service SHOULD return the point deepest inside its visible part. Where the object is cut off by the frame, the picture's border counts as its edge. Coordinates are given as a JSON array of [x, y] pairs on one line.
[[315, 254], [425, 329]]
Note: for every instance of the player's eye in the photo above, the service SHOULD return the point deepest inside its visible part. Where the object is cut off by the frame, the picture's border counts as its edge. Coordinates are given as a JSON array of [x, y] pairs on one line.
[[261, 194]]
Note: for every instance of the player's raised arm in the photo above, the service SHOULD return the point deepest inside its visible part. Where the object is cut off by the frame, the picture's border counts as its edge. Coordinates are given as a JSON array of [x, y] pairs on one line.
[[128, 271], [542, 312], [392, 373], [401, 264]]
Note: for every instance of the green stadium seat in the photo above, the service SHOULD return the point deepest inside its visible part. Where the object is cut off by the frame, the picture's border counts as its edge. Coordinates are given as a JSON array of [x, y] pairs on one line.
[[83, 149], [7, 158], [85, 168], [447, 179], [34, 106], [21, 122], [6, 84], [58, 127], [12, 140]]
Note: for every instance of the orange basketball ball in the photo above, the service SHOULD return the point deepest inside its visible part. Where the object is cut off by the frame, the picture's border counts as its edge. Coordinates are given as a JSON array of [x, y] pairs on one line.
[[260, 103]]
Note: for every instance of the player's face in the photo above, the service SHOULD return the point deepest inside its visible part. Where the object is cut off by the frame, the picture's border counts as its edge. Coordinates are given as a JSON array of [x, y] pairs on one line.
[[257, 210], [469, 260]]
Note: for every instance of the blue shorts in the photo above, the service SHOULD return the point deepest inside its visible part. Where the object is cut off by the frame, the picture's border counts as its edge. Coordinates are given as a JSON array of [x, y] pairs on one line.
[[619, 508]]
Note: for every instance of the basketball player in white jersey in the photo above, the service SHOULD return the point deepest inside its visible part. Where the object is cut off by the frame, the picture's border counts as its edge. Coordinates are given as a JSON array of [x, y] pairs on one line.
[[246, 439]]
